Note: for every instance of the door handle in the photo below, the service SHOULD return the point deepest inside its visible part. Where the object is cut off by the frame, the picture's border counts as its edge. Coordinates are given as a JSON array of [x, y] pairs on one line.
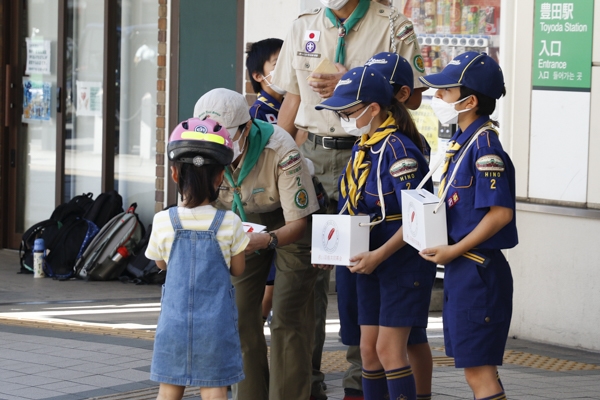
[[7, 96]]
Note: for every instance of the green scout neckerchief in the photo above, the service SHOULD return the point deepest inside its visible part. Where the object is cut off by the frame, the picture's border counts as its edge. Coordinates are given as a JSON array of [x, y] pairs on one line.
[[260, 133], [344, 28]]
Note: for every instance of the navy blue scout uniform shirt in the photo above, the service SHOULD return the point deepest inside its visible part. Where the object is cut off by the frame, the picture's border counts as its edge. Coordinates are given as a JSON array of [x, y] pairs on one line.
[[403, 167], [486, 178], [265, 108]]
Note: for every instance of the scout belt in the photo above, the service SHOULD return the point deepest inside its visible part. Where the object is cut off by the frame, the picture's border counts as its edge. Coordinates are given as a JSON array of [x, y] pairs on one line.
[[332, 143]]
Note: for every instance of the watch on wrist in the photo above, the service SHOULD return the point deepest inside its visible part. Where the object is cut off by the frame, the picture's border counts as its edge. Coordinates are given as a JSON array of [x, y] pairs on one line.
[[273, 242]]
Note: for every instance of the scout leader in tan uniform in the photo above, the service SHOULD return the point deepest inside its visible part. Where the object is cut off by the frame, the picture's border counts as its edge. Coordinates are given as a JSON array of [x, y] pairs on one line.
[[269, 184], [347, 32]]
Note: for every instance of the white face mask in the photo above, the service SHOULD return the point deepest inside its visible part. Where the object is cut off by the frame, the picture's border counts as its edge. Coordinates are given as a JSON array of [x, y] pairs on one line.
[[334, 4], [446, 112], [237, 151], [351, 128], [275, 88]]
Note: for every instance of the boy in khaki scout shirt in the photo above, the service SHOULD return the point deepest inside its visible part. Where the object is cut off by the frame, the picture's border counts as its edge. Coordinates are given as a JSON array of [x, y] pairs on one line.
[[349, 34], [268, 184]]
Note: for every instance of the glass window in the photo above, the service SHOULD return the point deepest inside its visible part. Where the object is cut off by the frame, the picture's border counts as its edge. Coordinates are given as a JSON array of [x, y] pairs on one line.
[[37, 136], [136, 111]]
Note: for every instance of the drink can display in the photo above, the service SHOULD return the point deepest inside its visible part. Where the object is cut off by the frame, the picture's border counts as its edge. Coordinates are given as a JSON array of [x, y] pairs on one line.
[[481, 21], [455, 16], [443, 17], [490, 21]]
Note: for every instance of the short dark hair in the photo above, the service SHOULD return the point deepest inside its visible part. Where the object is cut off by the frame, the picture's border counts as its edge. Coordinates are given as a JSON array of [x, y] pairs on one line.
[[196, 184], [487, 104], [258, 54]]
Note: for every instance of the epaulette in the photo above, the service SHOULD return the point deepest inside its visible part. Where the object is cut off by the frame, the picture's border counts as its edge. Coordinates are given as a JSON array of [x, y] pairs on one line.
[[382, 10], [310, 11]]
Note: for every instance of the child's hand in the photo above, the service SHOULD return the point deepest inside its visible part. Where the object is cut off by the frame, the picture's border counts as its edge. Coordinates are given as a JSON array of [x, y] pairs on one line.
[[367, 262], [440, 255]]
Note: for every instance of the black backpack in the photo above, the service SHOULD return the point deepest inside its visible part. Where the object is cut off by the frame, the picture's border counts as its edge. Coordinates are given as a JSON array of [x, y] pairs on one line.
[[67, 246], [104, 208], [47, 230], [140, 269]]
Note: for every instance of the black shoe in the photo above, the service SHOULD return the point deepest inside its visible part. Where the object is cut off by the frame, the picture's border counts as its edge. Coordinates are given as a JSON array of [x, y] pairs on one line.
[[353, 394], [324, 386]]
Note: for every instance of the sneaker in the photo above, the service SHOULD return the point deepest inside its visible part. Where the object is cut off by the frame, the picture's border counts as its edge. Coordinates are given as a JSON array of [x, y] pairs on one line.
[[353, 394]]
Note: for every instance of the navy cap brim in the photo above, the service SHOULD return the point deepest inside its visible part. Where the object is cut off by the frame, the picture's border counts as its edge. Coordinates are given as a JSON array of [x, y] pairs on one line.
[[439, 81], [337, 103]]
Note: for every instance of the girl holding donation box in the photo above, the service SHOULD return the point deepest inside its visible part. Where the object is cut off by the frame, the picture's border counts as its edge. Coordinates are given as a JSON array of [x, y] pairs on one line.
[[480, 207], [393, 283]]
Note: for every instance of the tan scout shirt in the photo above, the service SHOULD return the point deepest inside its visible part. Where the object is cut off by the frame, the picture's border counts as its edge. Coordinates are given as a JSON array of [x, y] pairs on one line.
[[280, 179], [371, 35]]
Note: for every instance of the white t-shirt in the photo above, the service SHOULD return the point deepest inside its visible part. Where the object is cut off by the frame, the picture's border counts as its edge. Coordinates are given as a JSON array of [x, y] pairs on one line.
[[231, 236]]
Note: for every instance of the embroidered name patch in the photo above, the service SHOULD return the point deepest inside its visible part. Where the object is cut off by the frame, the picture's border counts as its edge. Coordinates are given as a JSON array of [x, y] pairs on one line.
[[291, 159], [301, 198], [490, 162], [305, 54], [404, 167]]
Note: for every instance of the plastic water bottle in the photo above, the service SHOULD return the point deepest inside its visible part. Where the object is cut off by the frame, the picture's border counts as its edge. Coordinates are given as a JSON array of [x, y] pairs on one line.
[[39, 253]]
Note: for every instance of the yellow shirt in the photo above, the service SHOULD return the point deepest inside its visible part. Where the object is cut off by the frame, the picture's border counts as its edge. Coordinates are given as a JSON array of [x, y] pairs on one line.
[[231, 237], [370, 35], [280, 179]]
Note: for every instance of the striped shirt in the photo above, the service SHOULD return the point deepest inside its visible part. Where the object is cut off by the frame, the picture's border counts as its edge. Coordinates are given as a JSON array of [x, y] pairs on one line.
[[231, 236]]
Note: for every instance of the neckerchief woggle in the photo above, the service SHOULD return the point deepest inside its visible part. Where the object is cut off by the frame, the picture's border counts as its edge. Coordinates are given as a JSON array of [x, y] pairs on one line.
[[260, 133], [357, 170], [344, 28]]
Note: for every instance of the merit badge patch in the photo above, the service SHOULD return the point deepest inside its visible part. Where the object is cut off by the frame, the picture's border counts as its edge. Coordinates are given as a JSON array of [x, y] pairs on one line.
[[490, 162], [301, 198], [404, 167], [419, 63], [291, 159], [452, 200], [310, 46]]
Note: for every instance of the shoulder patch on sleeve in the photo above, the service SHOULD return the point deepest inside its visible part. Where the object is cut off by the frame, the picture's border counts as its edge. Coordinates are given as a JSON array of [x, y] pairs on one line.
[[406, 32], [301, 198], [404, 167], [490, 162], [290, 160]]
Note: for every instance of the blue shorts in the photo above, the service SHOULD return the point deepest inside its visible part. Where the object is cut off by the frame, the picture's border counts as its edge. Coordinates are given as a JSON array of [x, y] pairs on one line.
[[417, 335], [272, 271], [397, 293], [477, 309]]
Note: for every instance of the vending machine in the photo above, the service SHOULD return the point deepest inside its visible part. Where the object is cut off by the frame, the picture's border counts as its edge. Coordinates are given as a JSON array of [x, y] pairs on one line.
[[445, 29]]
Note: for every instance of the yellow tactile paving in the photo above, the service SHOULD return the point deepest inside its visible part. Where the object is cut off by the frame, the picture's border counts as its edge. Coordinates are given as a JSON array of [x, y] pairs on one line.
[[333, 361]]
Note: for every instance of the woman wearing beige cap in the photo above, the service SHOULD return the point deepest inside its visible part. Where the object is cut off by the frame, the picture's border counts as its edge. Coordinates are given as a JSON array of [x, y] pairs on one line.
[[269, 184]]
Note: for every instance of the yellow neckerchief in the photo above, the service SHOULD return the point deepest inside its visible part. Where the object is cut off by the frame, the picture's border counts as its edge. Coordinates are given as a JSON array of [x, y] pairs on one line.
[[357, 171]]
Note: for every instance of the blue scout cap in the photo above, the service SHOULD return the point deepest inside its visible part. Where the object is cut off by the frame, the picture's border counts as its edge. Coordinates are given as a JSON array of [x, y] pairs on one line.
[[394, 67], [477, 71], [357, 86]]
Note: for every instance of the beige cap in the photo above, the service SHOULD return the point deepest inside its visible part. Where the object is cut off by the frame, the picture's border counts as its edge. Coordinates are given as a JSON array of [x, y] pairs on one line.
[[225, 106]]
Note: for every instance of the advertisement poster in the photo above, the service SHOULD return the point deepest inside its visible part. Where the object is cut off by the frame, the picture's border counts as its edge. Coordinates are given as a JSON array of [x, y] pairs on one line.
[[89, 99], [37, 101], [38, 57]]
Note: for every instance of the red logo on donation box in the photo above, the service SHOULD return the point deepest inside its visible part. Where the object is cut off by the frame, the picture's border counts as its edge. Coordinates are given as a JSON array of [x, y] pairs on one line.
[[413, 222], [330, 237]]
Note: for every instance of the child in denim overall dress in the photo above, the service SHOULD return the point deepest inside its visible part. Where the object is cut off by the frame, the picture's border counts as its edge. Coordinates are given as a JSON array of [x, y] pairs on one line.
[[197, 341], [393, 284], [480, 214]]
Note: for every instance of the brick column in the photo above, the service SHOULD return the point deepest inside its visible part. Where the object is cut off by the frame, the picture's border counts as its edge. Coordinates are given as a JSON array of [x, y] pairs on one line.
[[161, 106]]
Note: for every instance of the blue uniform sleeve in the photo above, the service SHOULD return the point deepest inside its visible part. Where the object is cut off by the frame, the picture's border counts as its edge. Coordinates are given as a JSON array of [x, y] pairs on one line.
[[407, 166], [493, 174]]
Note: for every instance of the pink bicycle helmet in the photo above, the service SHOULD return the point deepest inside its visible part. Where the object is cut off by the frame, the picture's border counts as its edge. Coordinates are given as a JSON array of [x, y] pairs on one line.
[[200, 142]]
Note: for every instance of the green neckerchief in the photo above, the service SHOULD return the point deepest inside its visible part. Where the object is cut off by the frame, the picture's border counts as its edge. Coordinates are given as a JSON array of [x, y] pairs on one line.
[[344, 28], [260, 132]]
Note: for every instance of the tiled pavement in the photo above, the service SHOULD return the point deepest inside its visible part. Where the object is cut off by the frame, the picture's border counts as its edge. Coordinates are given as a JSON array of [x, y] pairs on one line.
[[84, 340]]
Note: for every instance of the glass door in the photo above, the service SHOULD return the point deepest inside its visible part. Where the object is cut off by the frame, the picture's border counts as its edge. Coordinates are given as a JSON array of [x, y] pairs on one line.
[[84, 91]]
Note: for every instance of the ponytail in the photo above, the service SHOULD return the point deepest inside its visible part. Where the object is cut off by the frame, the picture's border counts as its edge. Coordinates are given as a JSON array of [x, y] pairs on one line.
[[405, 123]]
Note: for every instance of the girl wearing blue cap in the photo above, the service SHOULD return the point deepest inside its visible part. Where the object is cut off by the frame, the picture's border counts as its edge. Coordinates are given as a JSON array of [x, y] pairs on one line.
[[393, 285], [480, 212]]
